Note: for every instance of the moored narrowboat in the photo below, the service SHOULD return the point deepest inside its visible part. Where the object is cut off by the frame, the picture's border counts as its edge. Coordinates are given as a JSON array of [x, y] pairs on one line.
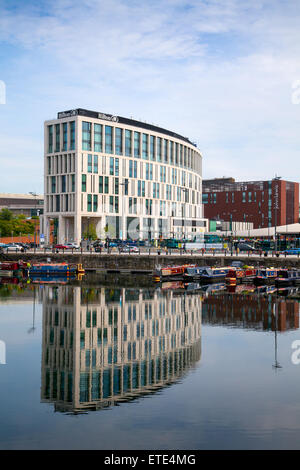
[[170, 273], [206, 274], [287, 277], [57, 269], [265, 276], [238, 275]]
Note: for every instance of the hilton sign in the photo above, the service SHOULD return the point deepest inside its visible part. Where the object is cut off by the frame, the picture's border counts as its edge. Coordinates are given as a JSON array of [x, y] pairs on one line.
[[76, 112]]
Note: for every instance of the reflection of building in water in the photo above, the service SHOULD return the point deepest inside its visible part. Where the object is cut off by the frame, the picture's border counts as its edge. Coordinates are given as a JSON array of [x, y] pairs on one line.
[[251, 311], [102, 346]]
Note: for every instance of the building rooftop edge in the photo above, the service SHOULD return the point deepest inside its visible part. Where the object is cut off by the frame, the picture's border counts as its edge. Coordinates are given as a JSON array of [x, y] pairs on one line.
[[121, 120]]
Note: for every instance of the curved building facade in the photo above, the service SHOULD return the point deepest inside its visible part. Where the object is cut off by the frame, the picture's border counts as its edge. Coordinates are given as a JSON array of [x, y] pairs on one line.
[[126, 178]]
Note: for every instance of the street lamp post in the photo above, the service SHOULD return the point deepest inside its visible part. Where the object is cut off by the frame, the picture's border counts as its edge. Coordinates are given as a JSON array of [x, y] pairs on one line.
[[125, 186], [35, 206], [185, 190]]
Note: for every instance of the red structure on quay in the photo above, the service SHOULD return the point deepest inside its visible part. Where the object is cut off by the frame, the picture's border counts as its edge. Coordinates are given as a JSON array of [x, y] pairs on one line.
[[263, 203]]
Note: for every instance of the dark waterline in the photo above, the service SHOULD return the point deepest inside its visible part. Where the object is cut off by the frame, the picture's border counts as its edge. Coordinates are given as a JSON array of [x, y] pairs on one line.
[[123, 367]]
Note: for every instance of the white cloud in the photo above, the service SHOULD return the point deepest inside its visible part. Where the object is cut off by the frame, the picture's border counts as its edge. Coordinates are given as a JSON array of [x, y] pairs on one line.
[[218, 72]]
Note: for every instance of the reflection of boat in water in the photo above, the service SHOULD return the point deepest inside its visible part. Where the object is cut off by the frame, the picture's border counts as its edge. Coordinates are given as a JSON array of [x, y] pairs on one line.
[[241, 288], [267, 289], [212, 288], [48, 279], [288, 290], [11, 280]]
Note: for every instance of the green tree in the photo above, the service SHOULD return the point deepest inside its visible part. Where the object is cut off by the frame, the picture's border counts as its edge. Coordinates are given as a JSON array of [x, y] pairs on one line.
[[90, 233]]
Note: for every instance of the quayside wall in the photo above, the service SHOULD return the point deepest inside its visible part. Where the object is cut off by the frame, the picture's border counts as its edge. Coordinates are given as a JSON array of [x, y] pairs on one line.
[[144, 263]]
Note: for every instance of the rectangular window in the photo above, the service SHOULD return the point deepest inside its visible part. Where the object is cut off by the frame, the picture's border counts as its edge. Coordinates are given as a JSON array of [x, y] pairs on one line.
[[159, 149], [83, 183], [73, 183], [137, 150], [90, 163], [126, 187], [95, 202], [111, 203], [57, 137], [100, 184], [106, 184], [50, 139], [72, 135], [244, 197], [89, 203], [165, 150], [152, 147], [111, 165], [128, 149], [95, 163], [108, 139], [118, 141], [171, 154], [53, 184], [176, 154], [57, 200], [116, 167], [86, 136], [130, 168], [63, 183], [65, 136], [97, 138], [116, 185], [145, 147], [116, 204]]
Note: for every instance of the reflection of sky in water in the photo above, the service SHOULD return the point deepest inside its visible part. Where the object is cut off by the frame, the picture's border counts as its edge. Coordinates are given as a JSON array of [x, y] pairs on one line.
[[231, 398]]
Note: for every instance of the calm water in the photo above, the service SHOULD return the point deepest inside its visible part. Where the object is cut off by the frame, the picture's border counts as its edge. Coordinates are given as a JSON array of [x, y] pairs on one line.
[[112, 367]]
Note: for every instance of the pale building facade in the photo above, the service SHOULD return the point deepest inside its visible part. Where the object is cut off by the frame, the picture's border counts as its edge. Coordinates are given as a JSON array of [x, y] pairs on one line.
[[127, 179]]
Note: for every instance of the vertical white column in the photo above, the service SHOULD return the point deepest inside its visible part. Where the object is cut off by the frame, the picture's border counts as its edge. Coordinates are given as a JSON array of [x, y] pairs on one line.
[[61, 229]]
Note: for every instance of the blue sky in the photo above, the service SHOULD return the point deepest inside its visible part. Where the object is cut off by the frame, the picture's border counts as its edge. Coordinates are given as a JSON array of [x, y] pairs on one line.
[[218, 71]]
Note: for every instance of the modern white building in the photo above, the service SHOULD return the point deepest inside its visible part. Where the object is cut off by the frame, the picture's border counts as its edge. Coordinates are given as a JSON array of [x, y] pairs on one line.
[[126, 178]]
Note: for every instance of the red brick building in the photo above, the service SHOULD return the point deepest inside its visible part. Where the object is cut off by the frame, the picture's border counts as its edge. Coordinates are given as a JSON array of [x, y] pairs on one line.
[[264, 203]]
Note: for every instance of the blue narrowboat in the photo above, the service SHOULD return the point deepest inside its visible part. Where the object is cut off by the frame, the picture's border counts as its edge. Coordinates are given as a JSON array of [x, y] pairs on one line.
[[205, 274], [57, 269], [265, 276]]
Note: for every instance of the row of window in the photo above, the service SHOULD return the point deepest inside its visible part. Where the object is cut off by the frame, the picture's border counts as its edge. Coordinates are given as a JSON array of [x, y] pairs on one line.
[[212, 198], [159, 191], [134, 206], [114, 140], [64, 137], [149, 171]]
